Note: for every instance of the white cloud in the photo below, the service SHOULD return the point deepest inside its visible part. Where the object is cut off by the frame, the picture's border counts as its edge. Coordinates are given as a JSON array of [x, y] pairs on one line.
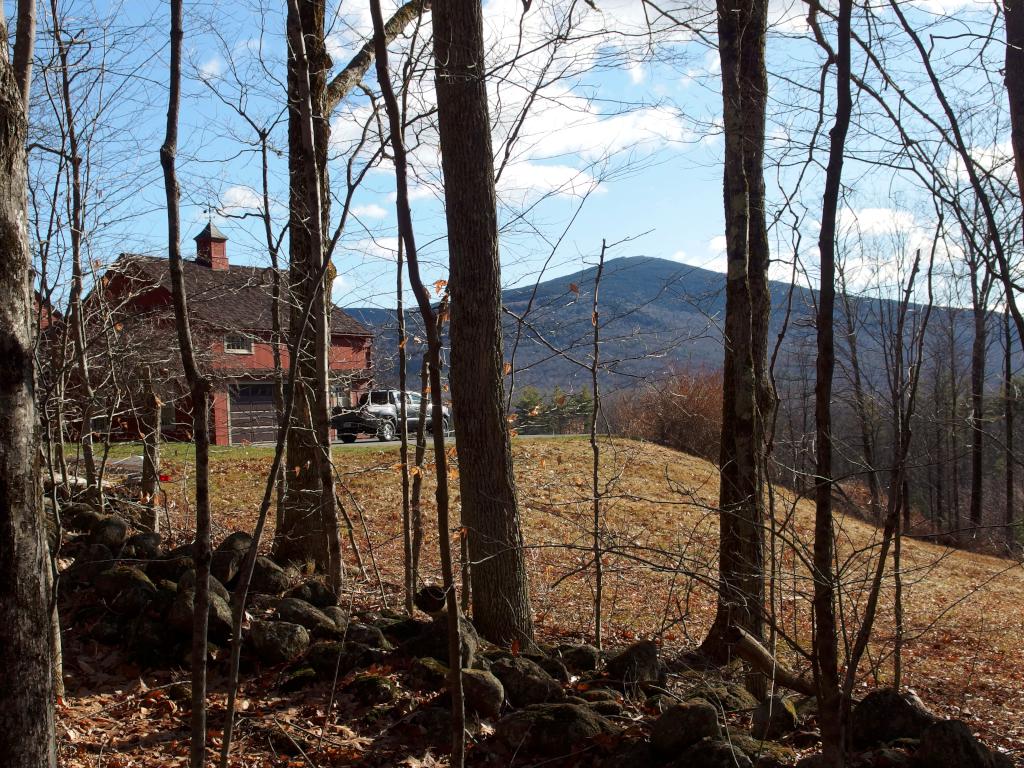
[[948, 6], [369, 211], [996, 159], [714, 258], [240, 199], [521, 182], [877, 221], [211, 68], [382, 248], [788, 16], [338, 287]]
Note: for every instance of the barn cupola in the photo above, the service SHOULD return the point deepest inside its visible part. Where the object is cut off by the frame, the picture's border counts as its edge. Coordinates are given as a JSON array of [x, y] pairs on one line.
[[211, 248]]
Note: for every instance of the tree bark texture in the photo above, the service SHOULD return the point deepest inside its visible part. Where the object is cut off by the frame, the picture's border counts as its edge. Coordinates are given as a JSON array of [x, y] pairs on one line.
[[433, 331], [490, 515], [199, 388], [307, 525], [86, 396], [1013, 12], [977, 420], [27, 681], [150, 423], [825, 656], [303, 533], [748, 396]]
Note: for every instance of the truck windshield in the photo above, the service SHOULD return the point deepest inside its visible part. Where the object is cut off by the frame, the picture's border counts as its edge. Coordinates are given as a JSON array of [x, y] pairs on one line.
[[374, 398]]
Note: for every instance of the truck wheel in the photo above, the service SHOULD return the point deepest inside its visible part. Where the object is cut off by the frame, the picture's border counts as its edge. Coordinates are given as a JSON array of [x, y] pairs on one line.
[[348, 438], [386, 432]]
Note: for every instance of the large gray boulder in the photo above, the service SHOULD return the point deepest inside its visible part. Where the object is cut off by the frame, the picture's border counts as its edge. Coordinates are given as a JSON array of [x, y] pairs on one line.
[[366, 634], [268, 577], [277, 642], [638, 663], [525, 682], [90, 560], [328, 657], [580, 658], [143, 546], [950, 744], [172, 565], [300, 612], [315, 593], [550, 730], [228, 556], [682, 725], [111, 532], [712, 753], [483, 691], [188, 582], [80, 516], [774, 717], [433, 641], [885, 715], [179, 617], [127, 589]]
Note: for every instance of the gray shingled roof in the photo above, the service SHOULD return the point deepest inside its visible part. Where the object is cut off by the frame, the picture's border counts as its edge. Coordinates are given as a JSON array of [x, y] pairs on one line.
[[237, 298], [211, 231]]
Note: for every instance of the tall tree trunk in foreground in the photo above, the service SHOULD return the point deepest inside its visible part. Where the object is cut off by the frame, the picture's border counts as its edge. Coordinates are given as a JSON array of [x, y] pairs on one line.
[[1013, 12], [308, 518], [490, 514], [27, 683], [303, 532], [825, 654], [860, 403], [433, 331], [150, 453], [1009, 404], [979, 348], [747, 390], [86, 396], [199, 389], [595, 448]]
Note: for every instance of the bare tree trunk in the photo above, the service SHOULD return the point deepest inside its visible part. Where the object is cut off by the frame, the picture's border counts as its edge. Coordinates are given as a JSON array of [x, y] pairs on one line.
[[860, 404], [308, 526], [490, 514], [954, 450], [748, 397], [77, 320], [26, 686], [1009, 406], [409, 579], [405, 229], [416, 508], [979, 348], [150, 454], [596, 450], [199, 387], [241, 593], [1013, 12], [317, 273], [826, 629], [281, 390]]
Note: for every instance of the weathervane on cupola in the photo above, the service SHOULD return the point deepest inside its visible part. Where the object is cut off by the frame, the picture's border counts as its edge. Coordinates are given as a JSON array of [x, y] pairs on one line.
[[211, 248]]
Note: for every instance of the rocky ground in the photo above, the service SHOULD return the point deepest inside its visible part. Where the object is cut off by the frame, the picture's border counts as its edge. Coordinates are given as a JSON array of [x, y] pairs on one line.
[[349, 684]]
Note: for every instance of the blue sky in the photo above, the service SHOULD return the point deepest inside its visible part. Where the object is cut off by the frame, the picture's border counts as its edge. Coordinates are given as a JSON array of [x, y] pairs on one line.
[[624, 145]]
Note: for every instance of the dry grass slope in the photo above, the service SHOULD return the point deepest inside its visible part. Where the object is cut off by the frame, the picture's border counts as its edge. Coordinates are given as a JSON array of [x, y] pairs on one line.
[[964, 623]]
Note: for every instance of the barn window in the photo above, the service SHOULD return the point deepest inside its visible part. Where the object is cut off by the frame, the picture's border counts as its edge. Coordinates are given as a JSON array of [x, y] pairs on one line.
[[237, 344]]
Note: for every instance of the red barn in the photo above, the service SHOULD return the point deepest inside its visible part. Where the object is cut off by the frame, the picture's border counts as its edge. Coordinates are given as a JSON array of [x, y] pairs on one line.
[[230, 312]]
